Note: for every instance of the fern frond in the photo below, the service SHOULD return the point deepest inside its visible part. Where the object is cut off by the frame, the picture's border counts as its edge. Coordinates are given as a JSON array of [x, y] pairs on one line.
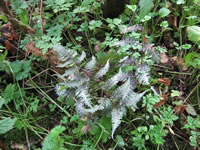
[[80, 108], [142, 73], [65, 54], [120, 76], [61, 90], [90, 65], [76, 83], [117, 114], [81, 58], [70, 71], [133, 99], [66, 64], [103, 70], [105, 103], [124, 90], [83, 95]]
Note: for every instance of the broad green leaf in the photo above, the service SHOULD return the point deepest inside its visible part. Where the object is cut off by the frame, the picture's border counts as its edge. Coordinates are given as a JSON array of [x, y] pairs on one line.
[[6, 125], [163, 12], [193, 33], [24, 17], [53, 141], [145, 7]]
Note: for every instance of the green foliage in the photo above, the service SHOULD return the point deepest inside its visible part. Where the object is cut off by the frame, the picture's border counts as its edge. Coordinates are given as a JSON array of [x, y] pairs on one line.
[[145, 7], [155, 134], [192, 59], [53, 140], [163, 12], [21, 69], [6, 125], [103, 129], [194, 126], [3, 56], [192, 123], [11, 93], [193, 33], [149, 101], [167, 115]]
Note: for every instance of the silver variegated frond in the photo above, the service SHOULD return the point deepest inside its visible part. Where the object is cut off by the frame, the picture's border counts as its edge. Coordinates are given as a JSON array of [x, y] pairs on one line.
[[66, 64], [124, 90], [81, 58], [80, 109], [116, 114], [84, 96], [76, 83], [70, 71], [65, 54], [103, 70], [133, 99], [142, 73], [91, 64], [61, 90], [120, 76]]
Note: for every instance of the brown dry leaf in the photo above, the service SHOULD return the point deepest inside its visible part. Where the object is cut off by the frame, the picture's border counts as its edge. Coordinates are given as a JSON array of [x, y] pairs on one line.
[[9, 33], [10, 47], [165, 81], [164, 58], [165, 96], [51, 55], [162, 102], [157, 105], [34, 50], [179, 62], [179, 109]]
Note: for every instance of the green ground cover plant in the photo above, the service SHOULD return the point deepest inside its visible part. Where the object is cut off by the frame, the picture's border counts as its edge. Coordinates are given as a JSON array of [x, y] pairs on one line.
[[99, 74]]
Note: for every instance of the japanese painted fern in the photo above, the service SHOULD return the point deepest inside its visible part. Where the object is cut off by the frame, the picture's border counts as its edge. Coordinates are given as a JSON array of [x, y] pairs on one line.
[[95, 88]]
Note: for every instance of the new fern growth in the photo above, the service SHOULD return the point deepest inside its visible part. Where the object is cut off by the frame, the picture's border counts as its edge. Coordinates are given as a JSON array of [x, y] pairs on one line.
[[112, 93]]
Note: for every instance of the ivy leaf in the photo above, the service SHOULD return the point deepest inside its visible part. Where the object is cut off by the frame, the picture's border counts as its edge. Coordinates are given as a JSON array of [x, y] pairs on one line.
[[6, 125], [145, 7]]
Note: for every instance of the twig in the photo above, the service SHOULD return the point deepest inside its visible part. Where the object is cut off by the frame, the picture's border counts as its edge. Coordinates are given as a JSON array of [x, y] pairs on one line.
[[191, 92], [41, 19]]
